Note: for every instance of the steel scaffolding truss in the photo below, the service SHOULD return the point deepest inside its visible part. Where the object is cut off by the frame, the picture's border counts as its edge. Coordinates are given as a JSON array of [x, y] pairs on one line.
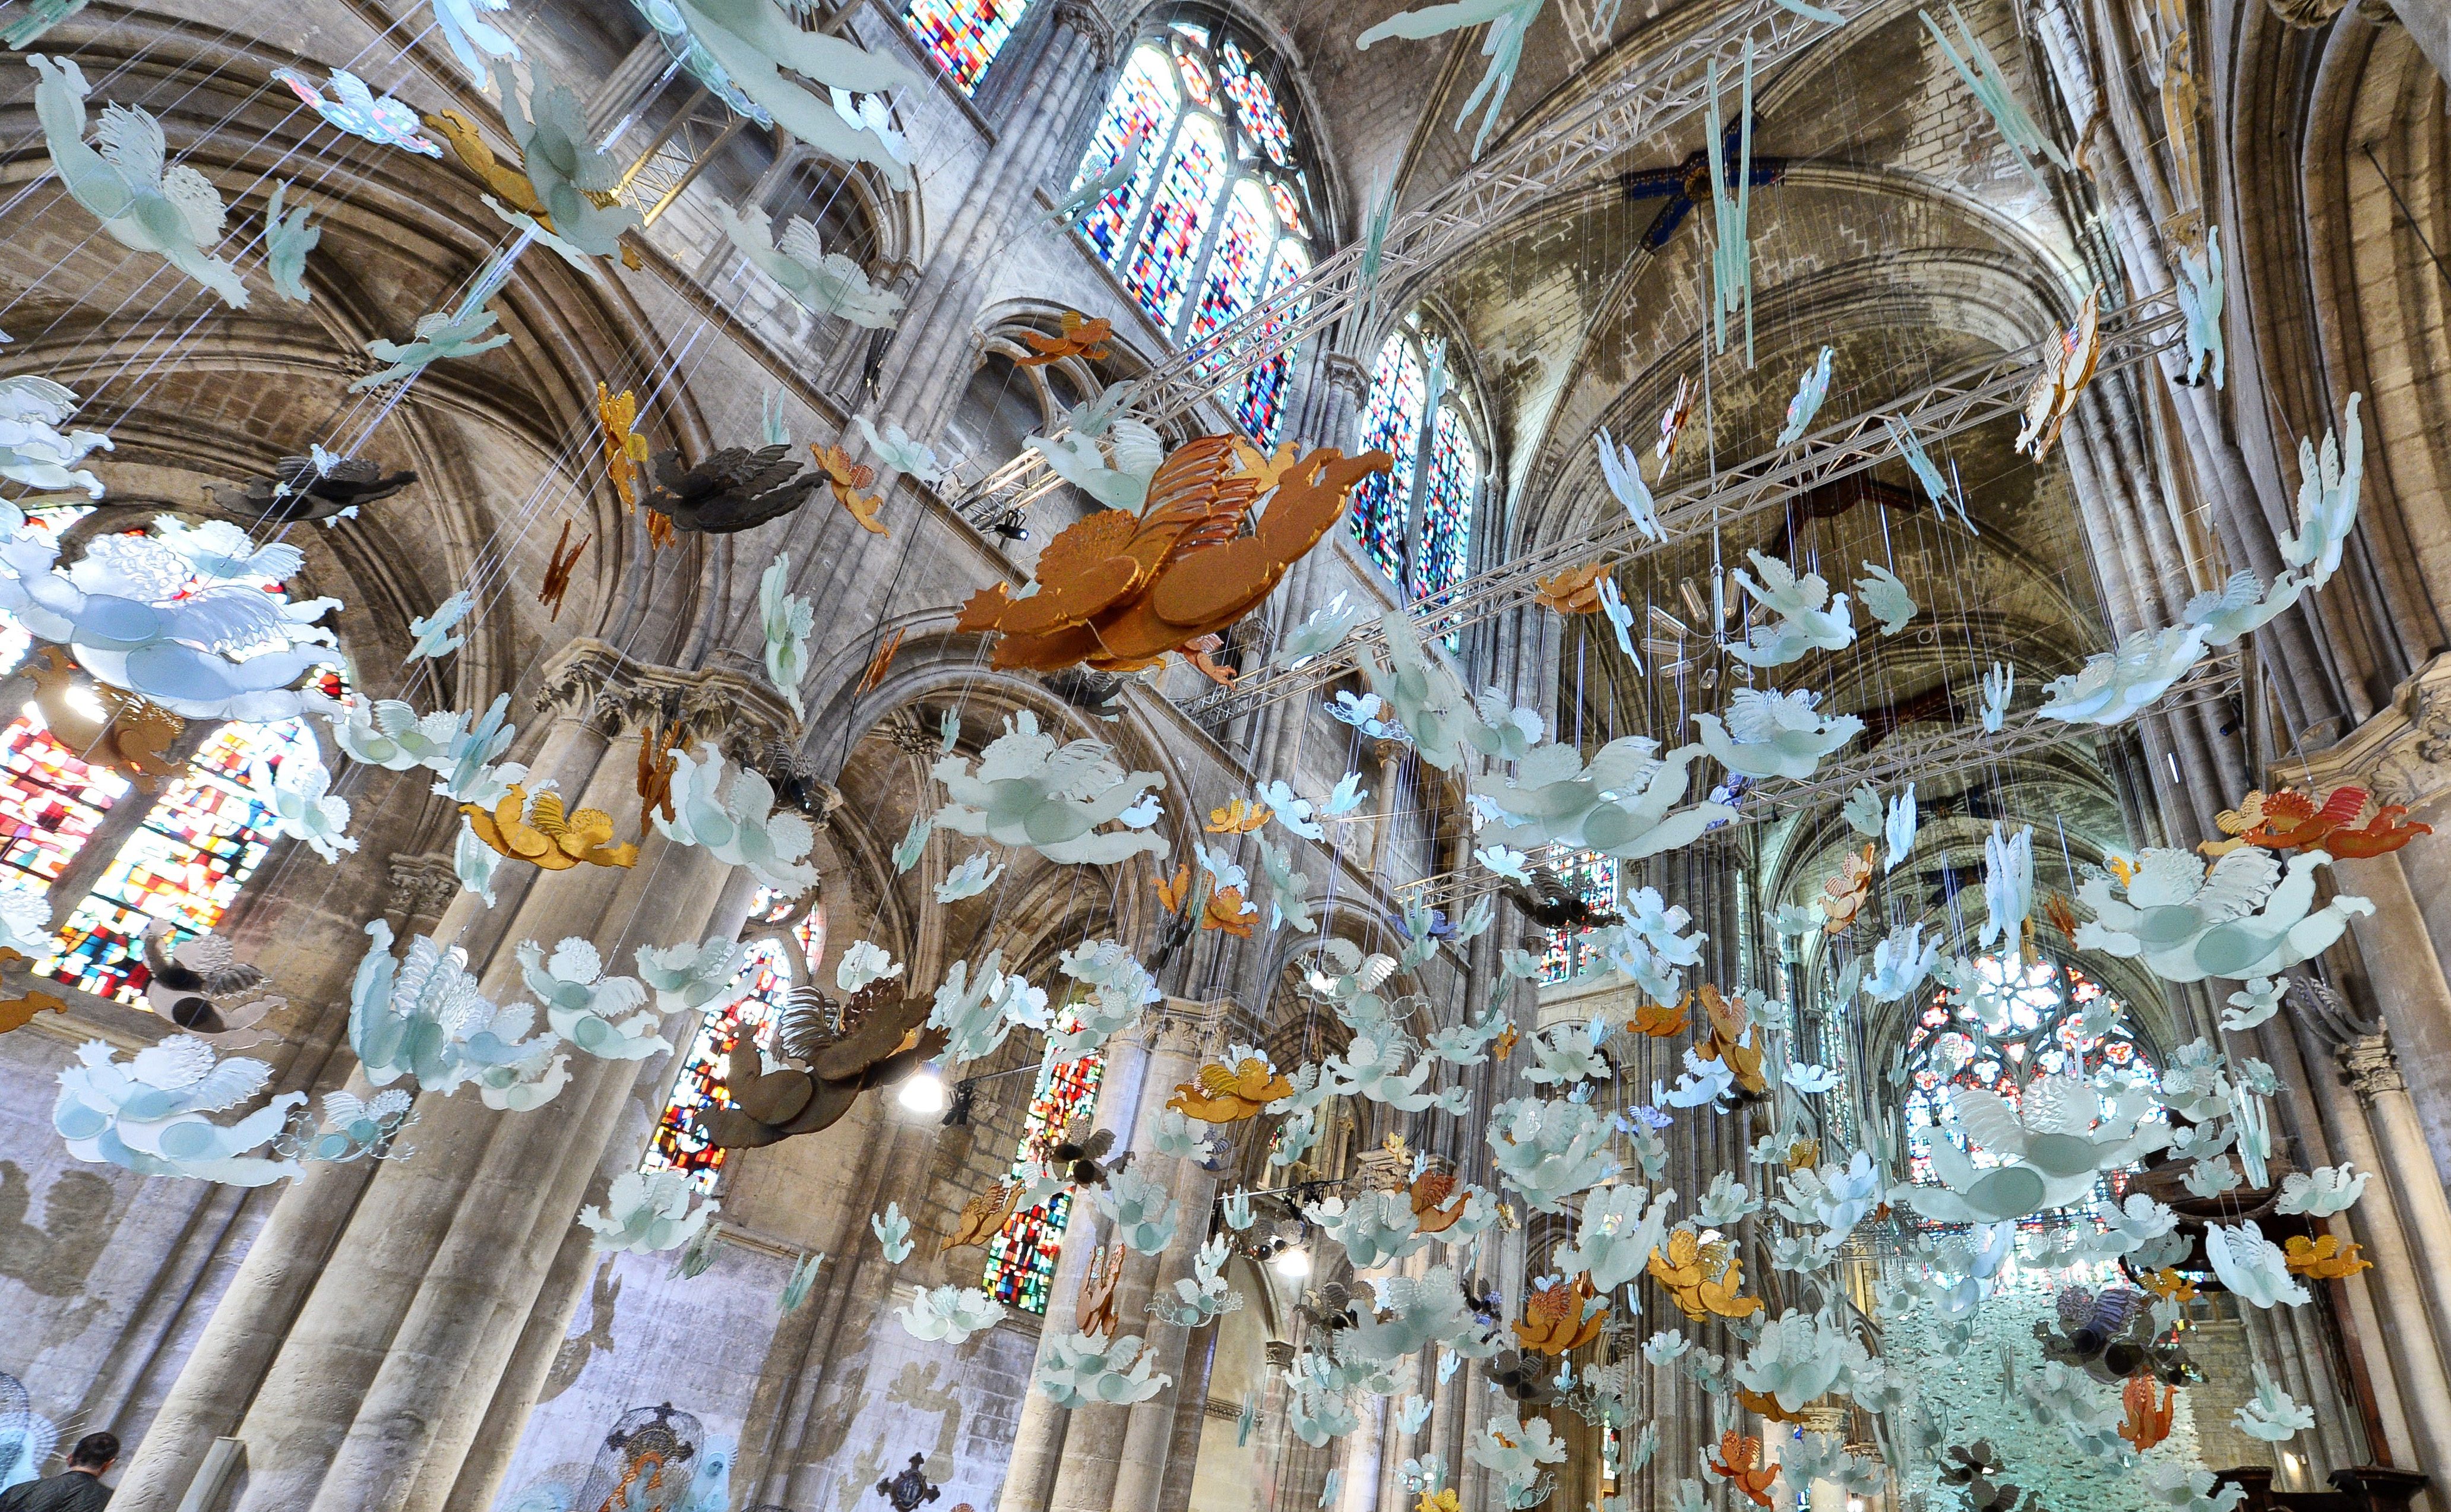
[[1972, 397], [1572, 146]]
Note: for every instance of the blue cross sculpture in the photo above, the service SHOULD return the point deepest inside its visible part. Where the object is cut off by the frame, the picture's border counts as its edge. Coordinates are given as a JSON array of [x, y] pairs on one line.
[[1689, 184]]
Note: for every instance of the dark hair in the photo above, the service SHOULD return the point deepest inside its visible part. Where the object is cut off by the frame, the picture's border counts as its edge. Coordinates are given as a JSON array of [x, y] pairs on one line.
[[94, 1450]]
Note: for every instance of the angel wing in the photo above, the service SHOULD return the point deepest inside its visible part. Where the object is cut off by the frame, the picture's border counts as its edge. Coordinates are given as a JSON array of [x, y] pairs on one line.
[[131, 143]]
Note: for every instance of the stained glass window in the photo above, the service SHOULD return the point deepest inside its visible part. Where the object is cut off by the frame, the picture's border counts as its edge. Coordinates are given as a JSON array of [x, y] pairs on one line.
[[50, 802], [1202, 234], [1255, 106], [1020, 1258], [203, 837], [1145, 100], [964, 36], [679, 1142], [1391, 421], [1447, 506], [1163, 264], [1594, 877], [2042, 1012]]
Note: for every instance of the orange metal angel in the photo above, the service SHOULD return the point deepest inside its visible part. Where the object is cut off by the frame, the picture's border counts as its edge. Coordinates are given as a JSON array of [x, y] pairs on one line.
[[846, 478], [881, 664], [983, 1216], [1118, 590], [2380, 835], [1438, 1205], [2291, 820], [1574, 591], [1704, 1279], [1082, 337], [2062, 914], [1171, 895], [105, 726], [625, 450], [1201, 655], [1843, 896], [1672, 422], [1560, 1318], [1725, 1043], [2235, 823], [1226, 911], [2324, 1257], [1219, 1093], [1735, 1463], [1659, 1022], [2148, 1423], [657, 767], [541, 834], [556, 571], [1239, 817], [1096, 1310]]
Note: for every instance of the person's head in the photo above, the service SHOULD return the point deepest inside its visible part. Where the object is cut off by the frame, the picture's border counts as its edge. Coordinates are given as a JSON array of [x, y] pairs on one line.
[[95, 1453]]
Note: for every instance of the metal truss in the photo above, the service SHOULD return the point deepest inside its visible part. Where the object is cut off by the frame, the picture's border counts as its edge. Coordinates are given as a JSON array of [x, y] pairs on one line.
[[678, 153], [1576, 143], [1971, 398], [1893, 760]]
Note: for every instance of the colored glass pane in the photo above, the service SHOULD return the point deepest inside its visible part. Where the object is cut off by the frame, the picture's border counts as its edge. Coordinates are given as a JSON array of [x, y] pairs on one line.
[[1260, 409], [1145, 100], [964, 36], [2043, 1033], [1391, 421], [50, 802], [1288, 209], [1020, 1258], [679, 1142], [203, 839], [1255, 106], [1594, 877], [1237, 264], [1164, 262], [1195, 80], [1447, 506]]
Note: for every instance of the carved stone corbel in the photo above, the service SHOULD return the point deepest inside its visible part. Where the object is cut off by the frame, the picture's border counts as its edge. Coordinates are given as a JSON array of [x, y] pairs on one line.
[[733, 711]]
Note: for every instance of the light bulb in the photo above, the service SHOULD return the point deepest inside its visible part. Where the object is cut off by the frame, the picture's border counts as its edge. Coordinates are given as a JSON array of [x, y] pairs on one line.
[[923, 1092], [1292, 1264]]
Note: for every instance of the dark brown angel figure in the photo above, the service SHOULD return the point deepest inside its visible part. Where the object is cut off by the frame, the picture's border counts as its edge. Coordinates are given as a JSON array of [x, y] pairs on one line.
[[831, 1053], [307, 488], [729, 490], [1551, 903]]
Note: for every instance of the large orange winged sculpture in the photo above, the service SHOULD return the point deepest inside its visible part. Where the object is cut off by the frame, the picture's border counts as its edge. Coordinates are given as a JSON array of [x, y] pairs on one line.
[[1118, 590]]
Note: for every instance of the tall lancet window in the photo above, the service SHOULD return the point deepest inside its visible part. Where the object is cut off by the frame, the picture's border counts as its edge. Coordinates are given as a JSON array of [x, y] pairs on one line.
[[1218, 216], [964, 36], [1414, 519]]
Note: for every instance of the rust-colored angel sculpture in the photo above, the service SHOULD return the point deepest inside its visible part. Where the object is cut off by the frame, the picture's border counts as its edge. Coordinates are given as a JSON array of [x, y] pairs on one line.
[[830, 1055], [111, 728], [1559, 1318], [983, 1216], [1574, 591], [1118, 590], [1082, 337]]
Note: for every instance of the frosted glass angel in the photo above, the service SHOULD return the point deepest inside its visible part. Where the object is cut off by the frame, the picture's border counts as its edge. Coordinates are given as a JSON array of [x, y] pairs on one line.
[[303, 805], [1078, 1370], [1514, 1452], [1809, 391], [1619, 804], [144, 203], [360, 111], [786, 619], [1416, 1312], [950, 1313], [2113, 686], [2240, 605], [583, 1005], [563, 165], [2327, 499], [825, 283], [465, 330], [1112, 463], [2243, 918], [1998, 685], [148, 1114], [1509, 20], [287, 239], [1093, 187], [1028, 792], [1885, 598], [2202, 293], [1774, 735], [1375, 1228], [647, 1212], [1619, 1228], [2007, 884], [1797, 1358], [1142, 1210], [698, 978], [741, 829], [2323, 1191], [1621, 469], [1203, 1295], [1319, 632], [899, 451], [472, 38], [1420, 694], [1809, 620], [1287, 889], [1372, 1066], [2253, 1267], [33, 450], [1900, 963], [1548, 1152], [424, 1018], [755, 41]]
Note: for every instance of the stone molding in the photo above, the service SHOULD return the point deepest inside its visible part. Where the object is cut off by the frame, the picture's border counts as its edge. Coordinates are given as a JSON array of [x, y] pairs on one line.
[[736, 713], [423, 884], [2401, 755]]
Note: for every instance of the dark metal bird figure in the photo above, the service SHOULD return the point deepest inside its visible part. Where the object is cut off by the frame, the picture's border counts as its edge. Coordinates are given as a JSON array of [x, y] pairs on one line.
[[1552, 904], [1081, 1155], [732, 489], [185, 978], [1330, 1308], [1528, 1379], [298, 492], [831, 1053]]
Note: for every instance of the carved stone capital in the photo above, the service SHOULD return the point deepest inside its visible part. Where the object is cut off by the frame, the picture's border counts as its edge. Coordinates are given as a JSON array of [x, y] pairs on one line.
[[1185, 1027], [2401, 754], [733, 711], [421, 884], [2368, 1065], [1351, 375], [1281, 1353], [1090, 20]]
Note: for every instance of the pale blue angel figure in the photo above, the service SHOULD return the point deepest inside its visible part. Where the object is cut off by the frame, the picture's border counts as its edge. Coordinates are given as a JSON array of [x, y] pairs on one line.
[[144, 203], [1347, 795], [1813, 12], [1620, 618], [1324, 627], [2115, 685], [1899, 827], [33, 450], [1622, 467], [2327, 499], [874, 113], [2007, 884], [1732, 254], [360, 111], [1503, 47], [1887, 598], [2202, 293], [1774, 735], [1809, 620], [755, 40], [460, 333], [899, 451], [1862, 810], [1374, 245], [472, 38], [39, 17], [563, 165], [1085, 196], [1998, 685], [1935, 488], [1808, 395], [914, 842], [787, 618], [432, 634], [1982, 74], [2240, 605], [771, 427], [825, 283], [287, 239]]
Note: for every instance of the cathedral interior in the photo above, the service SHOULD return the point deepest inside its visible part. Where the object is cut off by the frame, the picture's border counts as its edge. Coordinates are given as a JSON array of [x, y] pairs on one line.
[[1606, 755]]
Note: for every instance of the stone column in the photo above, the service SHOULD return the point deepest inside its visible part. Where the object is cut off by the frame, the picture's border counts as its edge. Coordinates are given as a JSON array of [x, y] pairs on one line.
[[1043, 1434], [1192, 1034], [1099, 1439], [2373, 1072], [366, 1331]]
